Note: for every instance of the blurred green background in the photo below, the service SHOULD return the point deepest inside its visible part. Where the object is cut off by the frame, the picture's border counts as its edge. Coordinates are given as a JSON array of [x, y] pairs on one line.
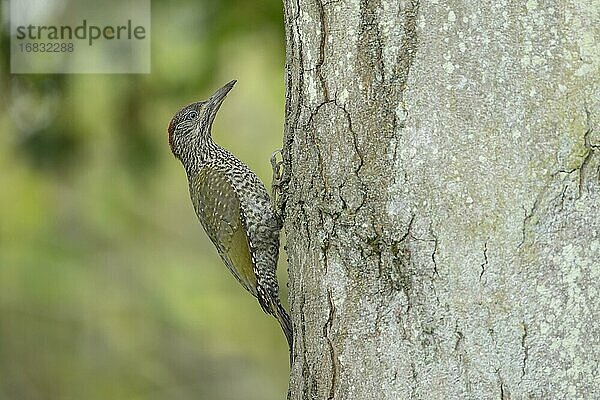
[[109, 288]]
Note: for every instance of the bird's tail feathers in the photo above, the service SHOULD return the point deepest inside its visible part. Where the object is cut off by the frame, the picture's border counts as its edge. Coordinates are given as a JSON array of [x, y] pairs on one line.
[[273, 306], [286, 326]]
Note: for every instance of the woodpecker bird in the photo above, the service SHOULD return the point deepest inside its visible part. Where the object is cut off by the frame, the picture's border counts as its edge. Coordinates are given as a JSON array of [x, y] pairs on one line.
[[232, 205]]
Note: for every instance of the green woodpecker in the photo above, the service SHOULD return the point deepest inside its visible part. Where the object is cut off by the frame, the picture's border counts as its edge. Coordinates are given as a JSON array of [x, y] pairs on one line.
[[231, 203]]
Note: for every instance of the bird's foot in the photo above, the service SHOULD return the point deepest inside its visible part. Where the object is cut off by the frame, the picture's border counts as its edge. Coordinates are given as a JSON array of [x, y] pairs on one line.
[[277, 165]]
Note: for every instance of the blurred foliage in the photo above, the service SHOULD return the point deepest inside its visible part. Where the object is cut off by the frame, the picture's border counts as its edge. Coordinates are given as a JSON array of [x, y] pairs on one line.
[[109, 288]]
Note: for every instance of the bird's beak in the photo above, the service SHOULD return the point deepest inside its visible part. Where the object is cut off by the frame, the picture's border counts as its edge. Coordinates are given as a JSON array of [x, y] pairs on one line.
[[215, 101]]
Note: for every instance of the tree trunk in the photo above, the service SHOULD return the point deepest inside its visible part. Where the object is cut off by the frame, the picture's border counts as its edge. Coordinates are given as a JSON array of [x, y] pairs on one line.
[[441, 192]]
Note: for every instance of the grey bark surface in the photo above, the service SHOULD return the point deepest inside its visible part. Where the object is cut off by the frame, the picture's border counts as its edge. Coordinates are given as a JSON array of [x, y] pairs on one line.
[[442, 198]]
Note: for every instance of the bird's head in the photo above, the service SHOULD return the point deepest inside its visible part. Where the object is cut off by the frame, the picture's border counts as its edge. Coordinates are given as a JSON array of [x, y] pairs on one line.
[[192, 124]]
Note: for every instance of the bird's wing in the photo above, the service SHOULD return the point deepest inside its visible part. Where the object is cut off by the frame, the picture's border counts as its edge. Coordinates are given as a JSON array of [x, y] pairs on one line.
[[218, 208]]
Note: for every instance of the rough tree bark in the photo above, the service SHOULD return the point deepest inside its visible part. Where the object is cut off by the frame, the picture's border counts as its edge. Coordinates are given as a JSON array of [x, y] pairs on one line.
[[442, 167]]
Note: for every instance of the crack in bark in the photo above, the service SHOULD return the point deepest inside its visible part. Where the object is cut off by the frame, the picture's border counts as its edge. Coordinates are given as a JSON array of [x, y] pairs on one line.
[[459, 341], [435, 249], [562, 198], [322, 45], [528, 215], [504, 393], [525, 350], [409, 228], [485, 263], [355, 142], [297, 16]]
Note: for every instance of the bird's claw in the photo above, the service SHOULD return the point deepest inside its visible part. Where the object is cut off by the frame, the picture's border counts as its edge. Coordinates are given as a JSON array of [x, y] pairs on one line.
[[277, 166]]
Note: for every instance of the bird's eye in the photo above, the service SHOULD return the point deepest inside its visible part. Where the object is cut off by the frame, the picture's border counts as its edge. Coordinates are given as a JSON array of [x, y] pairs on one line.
[[192, 115]]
